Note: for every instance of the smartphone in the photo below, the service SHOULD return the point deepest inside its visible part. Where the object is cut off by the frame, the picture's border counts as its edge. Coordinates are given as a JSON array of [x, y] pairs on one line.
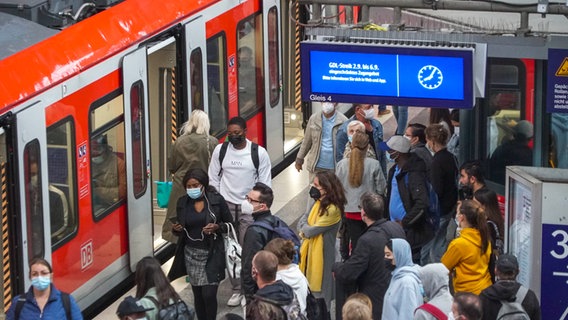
[[174, 220]]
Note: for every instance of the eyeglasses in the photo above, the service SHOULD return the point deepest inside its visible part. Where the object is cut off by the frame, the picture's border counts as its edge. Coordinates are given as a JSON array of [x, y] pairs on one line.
[[252, 200]]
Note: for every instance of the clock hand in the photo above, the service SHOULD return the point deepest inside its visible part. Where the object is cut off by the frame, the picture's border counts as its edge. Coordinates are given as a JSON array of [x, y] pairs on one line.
[[430, 76]]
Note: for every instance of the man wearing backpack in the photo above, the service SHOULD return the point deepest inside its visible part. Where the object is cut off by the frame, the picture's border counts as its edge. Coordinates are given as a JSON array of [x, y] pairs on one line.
[[259, 200], [274, 299], [235, 167], [508, 299]]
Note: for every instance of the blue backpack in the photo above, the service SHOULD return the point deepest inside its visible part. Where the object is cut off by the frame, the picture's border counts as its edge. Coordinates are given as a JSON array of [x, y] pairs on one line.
[[281, 230]]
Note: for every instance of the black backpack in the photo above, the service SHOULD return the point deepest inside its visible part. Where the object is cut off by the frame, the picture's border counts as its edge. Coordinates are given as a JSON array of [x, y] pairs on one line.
[[253, 155], [64, 299], [281, 230], [175, 311]]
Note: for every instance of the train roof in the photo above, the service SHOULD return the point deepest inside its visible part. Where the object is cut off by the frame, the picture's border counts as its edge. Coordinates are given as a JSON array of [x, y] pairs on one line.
[[82, 45], [17, 34]]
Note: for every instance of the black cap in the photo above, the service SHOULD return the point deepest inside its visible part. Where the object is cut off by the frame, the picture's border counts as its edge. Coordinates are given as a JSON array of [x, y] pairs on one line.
[[130, 306], [507, 263]]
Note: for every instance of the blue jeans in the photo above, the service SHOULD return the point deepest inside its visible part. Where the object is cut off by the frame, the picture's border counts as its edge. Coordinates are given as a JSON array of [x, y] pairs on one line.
[[401, 114]]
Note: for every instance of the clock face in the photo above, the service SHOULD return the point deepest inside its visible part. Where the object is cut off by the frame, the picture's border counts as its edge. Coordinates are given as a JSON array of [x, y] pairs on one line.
[[430, 77]]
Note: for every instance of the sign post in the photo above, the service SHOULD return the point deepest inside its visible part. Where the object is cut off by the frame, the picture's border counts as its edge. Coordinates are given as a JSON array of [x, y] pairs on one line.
[[536, 225]]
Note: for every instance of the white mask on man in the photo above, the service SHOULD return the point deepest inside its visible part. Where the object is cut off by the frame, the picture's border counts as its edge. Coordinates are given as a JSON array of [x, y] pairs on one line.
[[327, 107]]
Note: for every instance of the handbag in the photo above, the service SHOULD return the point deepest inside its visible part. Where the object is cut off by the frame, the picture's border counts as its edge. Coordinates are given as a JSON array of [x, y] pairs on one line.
[[232, 252], [164, 189], [316, 308]]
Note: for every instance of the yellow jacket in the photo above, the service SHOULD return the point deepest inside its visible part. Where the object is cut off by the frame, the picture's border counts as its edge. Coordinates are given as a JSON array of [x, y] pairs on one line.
[[471, 268]]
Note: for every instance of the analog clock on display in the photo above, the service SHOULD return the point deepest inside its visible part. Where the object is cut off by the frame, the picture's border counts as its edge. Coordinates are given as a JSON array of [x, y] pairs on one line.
[[430, 77]]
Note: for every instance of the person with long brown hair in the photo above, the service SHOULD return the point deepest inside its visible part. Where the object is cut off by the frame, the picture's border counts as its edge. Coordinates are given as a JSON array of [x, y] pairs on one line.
[[358, 174], [468, 255], [495, 223], [318, 229]]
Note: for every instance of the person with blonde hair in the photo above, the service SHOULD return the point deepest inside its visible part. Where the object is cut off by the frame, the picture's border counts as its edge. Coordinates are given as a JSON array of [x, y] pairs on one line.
[[357, 307], [357, 174], [191, 150]]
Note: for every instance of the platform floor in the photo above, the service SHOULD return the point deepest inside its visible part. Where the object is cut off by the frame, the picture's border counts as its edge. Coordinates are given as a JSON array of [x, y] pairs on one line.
[[290, 202]]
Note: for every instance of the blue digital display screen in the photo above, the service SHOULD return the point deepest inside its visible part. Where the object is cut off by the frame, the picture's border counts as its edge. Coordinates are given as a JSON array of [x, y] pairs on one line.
[[409, 76]]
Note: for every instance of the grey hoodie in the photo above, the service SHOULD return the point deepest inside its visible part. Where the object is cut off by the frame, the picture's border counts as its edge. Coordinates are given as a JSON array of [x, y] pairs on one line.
[[435, 281]]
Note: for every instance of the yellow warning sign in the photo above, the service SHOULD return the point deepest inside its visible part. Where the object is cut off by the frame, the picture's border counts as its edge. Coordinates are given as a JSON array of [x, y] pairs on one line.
[[563, 69]]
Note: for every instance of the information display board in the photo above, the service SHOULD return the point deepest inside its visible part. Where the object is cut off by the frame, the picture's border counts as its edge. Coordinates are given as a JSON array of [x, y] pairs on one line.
[[409, 76]]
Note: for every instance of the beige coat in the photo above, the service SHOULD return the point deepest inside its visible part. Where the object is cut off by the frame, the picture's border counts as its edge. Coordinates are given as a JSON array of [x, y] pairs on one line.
[[189, 151]]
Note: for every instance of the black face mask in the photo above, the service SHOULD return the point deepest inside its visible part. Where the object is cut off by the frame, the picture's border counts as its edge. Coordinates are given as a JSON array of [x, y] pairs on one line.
[[315, 193], [465, 192], [388, 265], [236, 139]]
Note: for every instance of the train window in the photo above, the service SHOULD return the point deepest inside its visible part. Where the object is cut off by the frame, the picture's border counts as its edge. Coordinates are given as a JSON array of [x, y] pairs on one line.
[[62, 183], [273, 57], [507, 140], [250, 71], [108, 171], [138, 137], [196, 71], [217, 84], [34, 199]]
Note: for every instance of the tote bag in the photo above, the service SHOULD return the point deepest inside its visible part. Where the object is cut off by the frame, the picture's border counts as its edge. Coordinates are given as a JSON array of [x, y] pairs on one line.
[[232, 252], [164, 188]]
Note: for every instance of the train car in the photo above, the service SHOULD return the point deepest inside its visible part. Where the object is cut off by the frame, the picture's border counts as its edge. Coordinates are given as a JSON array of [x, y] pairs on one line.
[[518, 39], [119, 83]]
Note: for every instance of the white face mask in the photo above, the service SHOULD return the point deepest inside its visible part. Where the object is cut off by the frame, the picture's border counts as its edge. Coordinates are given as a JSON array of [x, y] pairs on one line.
[[247, 207], [98, 159], [369, 114], [34, 180], [327, 107], [451, 316], [457, 131]]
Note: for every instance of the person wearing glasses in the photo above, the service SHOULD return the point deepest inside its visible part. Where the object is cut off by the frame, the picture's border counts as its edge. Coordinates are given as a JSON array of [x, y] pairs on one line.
[[364, 271], [43, 300], [256, 203], [202, 216]]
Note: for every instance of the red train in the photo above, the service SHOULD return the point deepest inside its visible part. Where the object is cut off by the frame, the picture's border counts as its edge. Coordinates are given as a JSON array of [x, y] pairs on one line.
[[121, 81]]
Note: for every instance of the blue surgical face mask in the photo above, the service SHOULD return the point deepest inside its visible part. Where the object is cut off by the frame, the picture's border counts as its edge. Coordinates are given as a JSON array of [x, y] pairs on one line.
[[193, 193], [41, 283], [350, 138], [392, 157]]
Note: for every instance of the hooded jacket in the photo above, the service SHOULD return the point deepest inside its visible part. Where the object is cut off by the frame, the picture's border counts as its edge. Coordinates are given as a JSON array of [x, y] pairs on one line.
[[365, 266], [507, 290], [269, 300], [404, 294], [470, 265], [293, 277], [435, 279]]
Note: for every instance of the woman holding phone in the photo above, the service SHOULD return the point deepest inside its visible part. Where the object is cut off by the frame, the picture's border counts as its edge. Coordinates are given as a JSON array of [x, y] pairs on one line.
[[202, 215]]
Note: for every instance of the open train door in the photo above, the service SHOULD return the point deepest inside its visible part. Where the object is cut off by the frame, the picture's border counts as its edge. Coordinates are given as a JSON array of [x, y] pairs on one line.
[[31, 181], [139, 194], [273, 80]]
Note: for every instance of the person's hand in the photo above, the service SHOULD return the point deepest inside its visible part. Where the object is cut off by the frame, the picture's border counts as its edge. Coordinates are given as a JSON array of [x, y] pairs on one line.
[[177, 227], [210, 228], [298, 165]]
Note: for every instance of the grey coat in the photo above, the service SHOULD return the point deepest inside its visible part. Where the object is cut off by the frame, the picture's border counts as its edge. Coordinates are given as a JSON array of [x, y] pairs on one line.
[[373, 180], [329, 235]]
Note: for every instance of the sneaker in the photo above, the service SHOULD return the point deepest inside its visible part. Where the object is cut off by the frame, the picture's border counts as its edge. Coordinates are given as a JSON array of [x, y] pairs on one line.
[[235, 300], [383, 112]]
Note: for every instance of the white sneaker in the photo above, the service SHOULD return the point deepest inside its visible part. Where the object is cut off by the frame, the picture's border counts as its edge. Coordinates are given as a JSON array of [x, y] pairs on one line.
[[235, 300]]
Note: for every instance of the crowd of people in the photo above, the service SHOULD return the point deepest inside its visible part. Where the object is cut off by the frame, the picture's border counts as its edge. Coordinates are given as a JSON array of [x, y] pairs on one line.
[[399, 256]]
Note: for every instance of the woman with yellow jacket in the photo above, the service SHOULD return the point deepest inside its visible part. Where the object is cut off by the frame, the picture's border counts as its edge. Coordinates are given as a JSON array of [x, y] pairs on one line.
[[468, 255], [318, 229]]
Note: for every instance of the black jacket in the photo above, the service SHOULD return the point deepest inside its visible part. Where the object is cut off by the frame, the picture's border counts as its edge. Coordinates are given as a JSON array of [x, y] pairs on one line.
[[215, 266], [255, 239], [415, 200], [443, 176], [507, 290], [365, 266]]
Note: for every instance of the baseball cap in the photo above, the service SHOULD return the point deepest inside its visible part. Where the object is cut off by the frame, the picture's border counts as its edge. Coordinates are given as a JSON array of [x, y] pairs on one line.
[[130, 306], [507, 263], [396, 143]]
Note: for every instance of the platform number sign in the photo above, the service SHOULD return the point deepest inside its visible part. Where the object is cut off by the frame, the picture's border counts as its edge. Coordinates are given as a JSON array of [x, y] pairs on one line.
[[554, 278]]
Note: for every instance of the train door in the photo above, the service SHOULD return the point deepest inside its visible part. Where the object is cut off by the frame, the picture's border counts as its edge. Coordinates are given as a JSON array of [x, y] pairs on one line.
[[139, 194], [31, 155], [272, 81]]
